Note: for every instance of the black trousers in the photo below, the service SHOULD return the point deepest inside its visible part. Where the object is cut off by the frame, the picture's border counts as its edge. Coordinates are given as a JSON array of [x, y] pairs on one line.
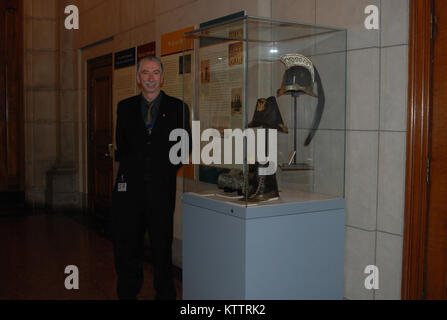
[[133, 215]]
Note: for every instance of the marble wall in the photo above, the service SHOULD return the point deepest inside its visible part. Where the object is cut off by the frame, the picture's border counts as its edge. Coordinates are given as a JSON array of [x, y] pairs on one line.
[[376, 122]]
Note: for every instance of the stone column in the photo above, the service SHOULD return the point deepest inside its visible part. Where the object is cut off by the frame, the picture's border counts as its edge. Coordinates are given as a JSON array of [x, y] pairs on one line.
[[40, 60], [62, 189]]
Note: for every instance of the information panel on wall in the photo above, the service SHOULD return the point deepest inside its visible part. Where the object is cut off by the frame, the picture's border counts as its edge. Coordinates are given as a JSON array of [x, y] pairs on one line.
[[146, 50], [176, 67], [178, 71], [124, 85]]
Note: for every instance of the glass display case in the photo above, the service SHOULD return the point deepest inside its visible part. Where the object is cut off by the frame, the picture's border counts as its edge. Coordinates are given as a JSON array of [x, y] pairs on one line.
[[268, 112], [263, 214]]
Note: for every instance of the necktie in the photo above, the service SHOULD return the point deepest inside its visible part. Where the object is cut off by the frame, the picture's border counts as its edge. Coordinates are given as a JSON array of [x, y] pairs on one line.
[[149, 113]]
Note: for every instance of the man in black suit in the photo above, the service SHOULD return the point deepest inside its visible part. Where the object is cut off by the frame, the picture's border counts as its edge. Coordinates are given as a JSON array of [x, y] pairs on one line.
[[145, 187]]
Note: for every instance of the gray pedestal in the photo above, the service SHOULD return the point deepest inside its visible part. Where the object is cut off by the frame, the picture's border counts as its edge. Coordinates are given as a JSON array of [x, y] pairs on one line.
[[279, 251]]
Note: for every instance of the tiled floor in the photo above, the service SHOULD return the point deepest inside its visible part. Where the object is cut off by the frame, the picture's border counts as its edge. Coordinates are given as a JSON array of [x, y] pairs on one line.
[[35, 250]]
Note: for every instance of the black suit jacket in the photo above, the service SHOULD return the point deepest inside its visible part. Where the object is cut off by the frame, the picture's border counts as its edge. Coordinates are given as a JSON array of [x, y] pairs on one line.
[[131, 142]]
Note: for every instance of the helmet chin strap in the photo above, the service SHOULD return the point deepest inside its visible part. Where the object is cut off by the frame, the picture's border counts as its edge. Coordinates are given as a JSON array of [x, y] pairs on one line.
[[319, 110]]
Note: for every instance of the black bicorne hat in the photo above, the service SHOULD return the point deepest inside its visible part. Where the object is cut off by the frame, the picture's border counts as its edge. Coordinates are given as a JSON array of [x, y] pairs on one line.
[[267, 115]]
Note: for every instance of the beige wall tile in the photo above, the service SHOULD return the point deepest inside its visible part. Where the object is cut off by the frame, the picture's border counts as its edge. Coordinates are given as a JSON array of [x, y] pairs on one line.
[[329, 162], [361, 179], [295, 11], [251, 7], [44, 141], [143, 34], [28, 105], [127, 16], [44, 69], [145, 11], [389, 263], [67, 37], [69, 105], [28, 70], [265, 8], [68, 70], [77, 36], [44, 34], [67, 141], [163, 6], [391, 201], [109, 14], [28, 33], [363, 91], [64, 3], [349, 14], [394, 84], [85, 5], [44, 105], [99, 23], [88, 31], [359, 253], [29, 142], [193, 13], [122, 41], [394, 22], [178, 19], [45, 9]]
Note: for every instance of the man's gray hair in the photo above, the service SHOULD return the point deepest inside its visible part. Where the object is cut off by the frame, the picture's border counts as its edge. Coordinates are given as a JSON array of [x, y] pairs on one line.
[[150, 58]]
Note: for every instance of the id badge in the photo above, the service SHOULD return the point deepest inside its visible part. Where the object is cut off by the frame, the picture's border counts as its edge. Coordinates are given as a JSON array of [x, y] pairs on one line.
[[122, 186]]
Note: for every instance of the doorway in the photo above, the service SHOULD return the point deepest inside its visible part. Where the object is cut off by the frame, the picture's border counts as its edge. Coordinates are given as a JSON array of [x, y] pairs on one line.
[[100, 137], [424, 273]]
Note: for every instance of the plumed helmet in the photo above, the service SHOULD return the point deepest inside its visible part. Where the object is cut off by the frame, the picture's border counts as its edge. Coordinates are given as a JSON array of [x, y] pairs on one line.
[[299, 75]]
